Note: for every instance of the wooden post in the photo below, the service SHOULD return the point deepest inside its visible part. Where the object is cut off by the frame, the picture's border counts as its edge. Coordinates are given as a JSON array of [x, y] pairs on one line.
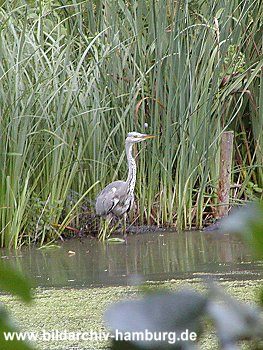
[[226, 150]]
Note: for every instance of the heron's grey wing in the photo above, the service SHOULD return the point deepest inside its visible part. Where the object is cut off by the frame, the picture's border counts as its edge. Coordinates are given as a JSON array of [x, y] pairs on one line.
[[108, 198]]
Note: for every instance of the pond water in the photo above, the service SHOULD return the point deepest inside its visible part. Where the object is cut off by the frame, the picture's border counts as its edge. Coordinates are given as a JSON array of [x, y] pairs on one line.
[[152, 256]]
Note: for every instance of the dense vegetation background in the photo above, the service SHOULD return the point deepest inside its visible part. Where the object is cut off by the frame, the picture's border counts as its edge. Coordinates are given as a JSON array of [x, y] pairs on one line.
[[76, 76]]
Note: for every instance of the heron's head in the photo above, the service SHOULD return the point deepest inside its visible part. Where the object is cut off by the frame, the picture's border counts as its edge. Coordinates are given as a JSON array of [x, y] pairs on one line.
[[135, 137]]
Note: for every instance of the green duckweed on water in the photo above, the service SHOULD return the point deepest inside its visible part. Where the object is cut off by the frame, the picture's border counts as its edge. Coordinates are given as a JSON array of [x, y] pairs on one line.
[[81, 310]]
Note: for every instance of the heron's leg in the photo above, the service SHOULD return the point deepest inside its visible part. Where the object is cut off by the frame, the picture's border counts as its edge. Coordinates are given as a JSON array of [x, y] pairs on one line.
[[104, 231], [124, 223]]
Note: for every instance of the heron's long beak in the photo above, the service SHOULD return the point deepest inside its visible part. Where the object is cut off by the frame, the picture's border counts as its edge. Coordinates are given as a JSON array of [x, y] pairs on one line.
[[148, 137]]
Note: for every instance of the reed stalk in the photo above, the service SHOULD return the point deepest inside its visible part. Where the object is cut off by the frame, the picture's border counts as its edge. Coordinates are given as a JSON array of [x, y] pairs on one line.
[[75, 78]]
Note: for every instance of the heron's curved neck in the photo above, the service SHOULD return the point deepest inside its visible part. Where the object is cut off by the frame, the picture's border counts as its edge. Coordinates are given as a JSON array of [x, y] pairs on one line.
[[132, 167]]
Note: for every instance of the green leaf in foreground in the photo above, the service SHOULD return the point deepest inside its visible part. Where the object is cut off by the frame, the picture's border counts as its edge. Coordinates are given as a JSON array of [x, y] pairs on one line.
[[247, 221], [12, 281], [161, 313], [234, 320], [7, 326]]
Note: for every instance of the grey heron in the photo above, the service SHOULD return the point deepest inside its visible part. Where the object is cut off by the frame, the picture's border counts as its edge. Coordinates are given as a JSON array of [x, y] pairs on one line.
[[117, 198]]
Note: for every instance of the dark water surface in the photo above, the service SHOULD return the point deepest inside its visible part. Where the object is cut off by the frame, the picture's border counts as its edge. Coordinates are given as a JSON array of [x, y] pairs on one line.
[[153, 256]]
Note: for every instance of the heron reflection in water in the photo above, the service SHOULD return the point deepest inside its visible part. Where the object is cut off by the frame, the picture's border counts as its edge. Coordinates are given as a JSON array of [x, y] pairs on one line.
[[117, 198]]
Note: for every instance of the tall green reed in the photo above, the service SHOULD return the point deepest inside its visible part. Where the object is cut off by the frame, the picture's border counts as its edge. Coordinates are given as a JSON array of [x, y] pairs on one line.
[[75, 78]]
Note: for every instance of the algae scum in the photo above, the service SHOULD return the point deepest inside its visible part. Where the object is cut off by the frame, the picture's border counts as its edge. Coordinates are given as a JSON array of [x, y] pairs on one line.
[[78, 281]]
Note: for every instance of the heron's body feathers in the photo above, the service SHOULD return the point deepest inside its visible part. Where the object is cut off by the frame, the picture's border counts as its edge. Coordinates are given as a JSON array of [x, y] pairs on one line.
[[114, 198]]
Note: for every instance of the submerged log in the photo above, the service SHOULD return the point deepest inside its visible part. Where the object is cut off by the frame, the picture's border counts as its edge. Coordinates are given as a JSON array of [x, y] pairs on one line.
[[226, 151]]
